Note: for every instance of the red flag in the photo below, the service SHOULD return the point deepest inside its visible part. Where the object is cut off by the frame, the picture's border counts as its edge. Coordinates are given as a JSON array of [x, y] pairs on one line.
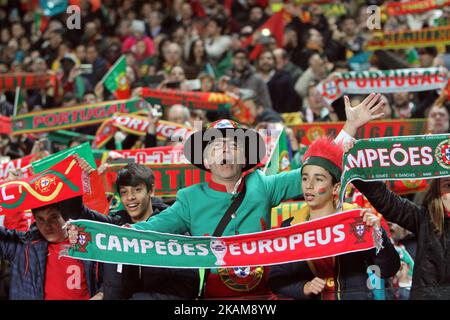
[[273, 26], [96, 199], [95, 4], [5, 125]]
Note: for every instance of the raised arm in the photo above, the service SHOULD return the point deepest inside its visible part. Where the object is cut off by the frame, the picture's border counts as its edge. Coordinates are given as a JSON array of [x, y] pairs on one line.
[[394, 208]]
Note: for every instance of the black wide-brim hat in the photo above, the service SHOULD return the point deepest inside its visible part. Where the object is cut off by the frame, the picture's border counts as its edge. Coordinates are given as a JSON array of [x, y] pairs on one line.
[[253, 143]]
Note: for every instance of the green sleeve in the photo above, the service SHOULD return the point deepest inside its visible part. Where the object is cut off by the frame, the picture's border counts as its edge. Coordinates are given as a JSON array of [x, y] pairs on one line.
[[175, 219], [283, 186]]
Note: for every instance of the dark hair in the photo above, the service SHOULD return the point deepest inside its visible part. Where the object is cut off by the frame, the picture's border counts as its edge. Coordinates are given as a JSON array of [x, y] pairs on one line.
[[432, 51], [36, 210], [240, 50], [69, 208], [135, 174], [220, 22]]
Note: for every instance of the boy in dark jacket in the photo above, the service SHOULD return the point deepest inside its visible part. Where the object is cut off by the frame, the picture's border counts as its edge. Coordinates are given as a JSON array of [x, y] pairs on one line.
[[38, 271]]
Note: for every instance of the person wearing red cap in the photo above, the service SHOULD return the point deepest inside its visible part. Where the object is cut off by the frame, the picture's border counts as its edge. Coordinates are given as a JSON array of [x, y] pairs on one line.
[[339, 277]]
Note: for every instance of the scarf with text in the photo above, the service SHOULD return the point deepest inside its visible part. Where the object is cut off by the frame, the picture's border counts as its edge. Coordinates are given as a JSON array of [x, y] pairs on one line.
[[383, 81], [306, 133], [209, 101], [336, 234], [137, 125], [397, 158], [156, 155], [72, 117]]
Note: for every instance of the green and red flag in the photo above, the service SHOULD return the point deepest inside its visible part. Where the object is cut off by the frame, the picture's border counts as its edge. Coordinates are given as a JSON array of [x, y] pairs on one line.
[[280, 158], [347, 232], [95, 199], [60, 182], [116, 81]]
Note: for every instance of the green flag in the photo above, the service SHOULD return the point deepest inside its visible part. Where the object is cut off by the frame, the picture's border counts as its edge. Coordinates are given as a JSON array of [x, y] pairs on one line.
[[280, 158], [83, 151], [19, 102]]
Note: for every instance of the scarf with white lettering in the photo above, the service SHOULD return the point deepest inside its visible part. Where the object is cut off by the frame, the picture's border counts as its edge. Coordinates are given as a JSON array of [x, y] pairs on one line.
[[383, 81], [336, 234], [397, 158]]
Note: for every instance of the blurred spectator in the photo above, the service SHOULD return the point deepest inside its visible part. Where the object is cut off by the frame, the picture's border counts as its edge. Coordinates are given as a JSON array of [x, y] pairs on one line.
[[281, 88], [318, 69], [438, 120], [137, 34], [315, 108], [99, 65], [179, 114], [282, 62], [244, 74], [197, 60], [216, 43], [153, 25]]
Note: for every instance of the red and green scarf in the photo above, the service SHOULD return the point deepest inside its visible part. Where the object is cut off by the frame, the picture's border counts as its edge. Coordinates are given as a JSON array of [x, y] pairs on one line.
[[137, 125], [413, 7], [25, 80], [71, 117], [213, 101], [336, 234], [426, 37], [383, 81], [306, 133]]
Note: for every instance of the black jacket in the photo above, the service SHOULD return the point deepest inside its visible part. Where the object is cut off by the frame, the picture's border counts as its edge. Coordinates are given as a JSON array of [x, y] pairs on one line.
[[431, 275], [350, 273], [282, 93], [136, 282]]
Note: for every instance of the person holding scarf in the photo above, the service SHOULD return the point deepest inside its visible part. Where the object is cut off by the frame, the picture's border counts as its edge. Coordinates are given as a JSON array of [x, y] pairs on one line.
[[230, 152], [430, 223], [338, 277]]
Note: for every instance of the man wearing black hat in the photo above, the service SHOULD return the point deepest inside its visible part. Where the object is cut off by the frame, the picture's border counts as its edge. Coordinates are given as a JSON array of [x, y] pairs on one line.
[[237, 200]]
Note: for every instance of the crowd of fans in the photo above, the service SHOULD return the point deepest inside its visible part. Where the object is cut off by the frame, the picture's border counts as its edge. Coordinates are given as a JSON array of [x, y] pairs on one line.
[[167, 44]]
